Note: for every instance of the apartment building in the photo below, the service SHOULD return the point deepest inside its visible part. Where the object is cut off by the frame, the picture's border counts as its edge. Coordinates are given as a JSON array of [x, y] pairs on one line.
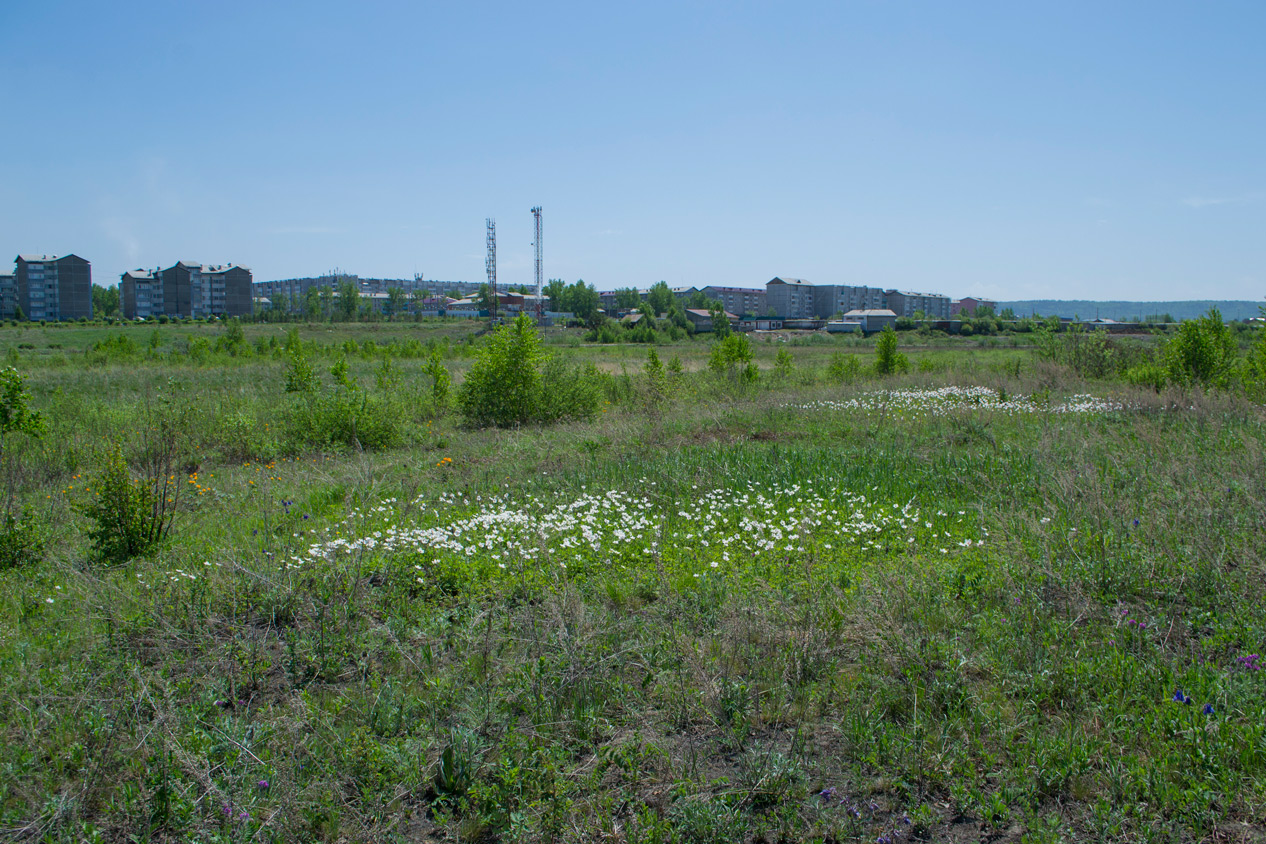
[[192, 290], [739, 300], [791, 298], [906, 304], [53, 288], [141, 294], [832, 299], [8, 295]]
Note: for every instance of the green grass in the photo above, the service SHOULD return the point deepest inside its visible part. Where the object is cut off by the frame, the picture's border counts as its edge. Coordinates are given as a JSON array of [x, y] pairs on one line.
[[521, 635]]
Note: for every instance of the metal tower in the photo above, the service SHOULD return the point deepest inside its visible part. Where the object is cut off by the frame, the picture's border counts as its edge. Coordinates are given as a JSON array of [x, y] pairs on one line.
[[540, 303], [490, 263]]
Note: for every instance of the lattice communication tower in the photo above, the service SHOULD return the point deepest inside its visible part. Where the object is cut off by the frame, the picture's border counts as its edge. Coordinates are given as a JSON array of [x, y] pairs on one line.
[[490, 263], [540, 302]]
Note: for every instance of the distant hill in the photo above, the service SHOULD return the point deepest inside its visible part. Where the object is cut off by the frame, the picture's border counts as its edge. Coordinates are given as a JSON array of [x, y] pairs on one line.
[[1129, 311]]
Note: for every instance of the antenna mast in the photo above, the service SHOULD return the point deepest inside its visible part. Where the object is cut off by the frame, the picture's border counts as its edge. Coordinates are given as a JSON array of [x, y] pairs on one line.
[[540, 303], [490, 263]]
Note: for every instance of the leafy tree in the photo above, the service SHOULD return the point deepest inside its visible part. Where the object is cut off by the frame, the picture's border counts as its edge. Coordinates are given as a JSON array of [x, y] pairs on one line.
[[105, 301], [888, 360], [720, 322], [627, 297], [1007, 314], [555, 290], [660, 299], [395, 301], [348, 300], [312, 304], [483, 297], [699, 300], [583, 300]]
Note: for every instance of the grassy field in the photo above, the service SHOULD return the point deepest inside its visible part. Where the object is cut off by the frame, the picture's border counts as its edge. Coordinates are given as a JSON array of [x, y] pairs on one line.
[[985, 600]]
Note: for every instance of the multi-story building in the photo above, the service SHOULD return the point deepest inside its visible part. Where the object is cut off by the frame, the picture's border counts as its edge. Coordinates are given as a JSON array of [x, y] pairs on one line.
[[739, 300], [903, 303], [53, 288], [832, 299], [141, 294], [8, 295], [198, 290], [790, 298]]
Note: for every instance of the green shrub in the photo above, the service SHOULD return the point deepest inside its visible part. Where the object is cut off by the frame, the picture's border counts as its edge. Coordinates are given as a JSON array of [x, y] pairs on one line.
[[783, 363], [16, 415], [441, 381], [889, 361], [345, 413], [1255, 368], [1202, 352], [21, 539], [732, 355], [503, 386], [129, 517], [843, 367], [569, 393]]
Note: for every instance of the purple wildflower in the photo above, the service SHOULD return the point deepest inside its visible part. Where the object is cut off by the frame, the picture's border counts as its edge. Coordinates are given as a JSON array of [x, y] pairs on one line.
[[1208, 709], [263, 784]]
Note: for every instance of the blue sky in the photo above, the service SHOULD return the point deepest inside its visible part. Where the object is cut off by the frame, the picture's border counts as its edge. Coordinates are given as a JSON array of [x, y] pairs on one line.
[[1002, 149]]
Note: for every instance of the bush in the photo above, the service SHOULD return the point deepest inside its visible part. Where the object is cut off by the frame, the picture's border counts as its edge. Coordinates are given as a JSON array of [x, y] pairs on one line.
[[345, 413], [1255, 368], [130, 518], [505, 386], [21, 540], [731, 355], [569, 393], [843, 367], [441, 381], [1202, 352]]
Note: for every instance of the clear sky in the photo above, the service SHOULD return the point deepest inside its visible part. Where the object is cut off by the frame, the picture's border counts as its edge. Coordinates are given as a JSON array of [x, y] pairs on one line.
[[1005, 149]]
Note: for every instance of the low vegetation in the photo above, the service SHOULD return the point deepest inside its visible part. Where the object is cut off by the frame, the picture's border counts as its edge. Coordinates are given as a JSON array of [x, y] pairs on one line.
[[421, 582]]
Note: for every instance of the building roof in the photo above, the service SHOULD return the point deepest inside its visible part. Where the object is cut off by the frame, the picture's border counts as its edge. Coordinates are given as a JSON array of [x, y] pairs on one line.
[[864, 312], [699, 312], [734, 289], [795, 281], [147, 275], [44, 259]]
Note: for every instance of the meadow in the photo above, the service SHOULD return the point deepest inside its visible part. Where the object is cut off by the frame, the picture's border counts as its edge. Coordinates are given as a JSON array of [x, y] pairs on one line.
[[999, 596]]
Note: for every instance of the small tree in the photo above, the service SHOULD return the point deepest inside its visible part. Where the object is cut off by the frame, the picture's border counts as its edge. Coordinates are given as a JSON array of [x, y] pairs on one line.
[[720, 322], [733, 354], [440, 379], [888, 360], [656, 381]]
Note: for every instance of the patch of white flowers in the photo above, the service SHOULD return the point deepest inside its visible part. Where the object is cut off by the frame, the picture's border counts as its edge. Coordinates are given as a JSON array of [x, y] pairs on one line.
[[708, 528], [942, 400]]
